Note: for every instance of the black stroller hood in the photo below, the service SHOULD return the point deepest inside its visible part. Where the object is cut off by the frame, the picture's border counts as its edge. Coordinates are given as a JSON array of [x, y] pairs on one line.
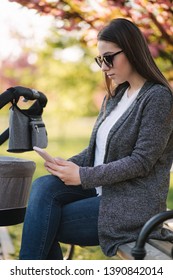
[[13, 94]]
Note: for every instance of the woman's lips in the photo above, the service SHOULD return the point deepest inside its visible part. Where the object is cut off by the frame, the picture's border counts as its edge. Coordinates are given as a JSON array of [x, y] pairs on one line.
[[110, 75]]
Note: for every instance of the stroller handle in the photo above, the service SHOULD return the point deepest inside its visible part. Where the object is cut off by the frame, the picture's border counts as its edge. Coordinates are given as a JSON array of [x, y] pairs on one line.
[[14, 93]]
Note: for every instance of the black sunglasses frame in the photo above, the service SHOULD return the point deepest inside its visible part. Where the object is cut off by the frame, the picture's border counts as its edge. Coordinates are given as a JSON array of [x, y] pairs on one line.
[[107, 59]]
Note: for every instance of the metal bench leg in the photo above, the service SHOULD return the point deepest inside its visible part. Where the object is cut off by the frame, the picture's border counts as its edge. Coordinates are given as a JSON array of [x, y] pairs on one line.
[[70, 252]]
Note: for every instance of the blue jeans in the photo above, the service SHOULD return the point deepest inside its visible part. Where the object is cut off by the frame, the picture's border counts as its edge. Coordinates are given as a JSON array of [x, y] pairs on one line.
[[58, 213]]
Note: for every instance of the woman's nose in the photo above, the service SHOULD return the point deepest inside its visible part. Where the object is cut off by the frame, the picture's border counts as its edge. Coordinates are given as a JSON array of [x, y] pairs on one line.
[[104, 67]]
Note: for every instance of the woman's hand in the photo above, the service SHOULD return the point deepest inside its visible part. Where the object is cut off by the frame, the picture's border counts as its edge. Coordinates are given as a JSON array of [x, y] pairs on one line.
[[67, 171]]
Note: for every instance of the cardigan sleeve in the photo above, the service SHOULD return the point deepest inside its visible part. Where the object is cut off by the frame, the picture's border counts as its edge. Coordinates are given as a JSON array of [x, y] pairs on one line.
[[154, 133]]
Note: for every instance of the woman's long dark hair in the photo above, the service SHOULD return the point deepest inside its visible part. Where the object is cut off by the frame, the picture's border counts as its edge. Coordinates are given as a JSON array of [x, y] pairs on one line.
[[130, 39]]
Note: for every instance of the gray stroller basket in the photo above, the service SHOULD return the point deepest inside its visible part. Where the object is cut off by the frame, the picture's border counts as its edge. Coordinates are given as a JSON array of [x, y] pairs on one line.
[[15, 181], [16, 174]]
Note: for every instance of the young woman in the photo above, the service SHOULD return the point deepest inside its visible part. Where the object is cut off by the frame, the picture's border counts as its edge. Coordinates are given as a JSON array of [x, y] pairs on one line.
[[104, 195]]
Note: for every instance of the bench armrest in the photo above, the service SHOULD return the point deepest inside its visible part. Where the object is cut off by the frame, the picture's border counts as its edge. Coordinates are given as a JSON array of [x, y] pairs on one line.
[[139, 252]]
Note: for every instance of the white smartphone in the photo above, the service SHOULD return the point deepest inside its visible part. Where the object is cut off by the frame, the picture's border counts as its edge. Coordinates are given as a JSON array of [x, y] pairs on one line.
[[44, 154]]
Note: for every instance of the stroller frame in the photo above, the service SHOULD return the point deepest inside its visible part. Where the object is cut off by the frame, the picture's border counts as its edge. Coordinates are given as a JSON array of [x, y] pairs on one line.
[[16, 174]]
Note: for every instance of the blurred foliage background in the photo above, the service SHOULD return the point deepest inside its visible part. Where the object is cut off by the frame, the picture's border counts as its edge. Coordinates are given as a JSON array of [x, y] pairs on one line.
[[62, 66]]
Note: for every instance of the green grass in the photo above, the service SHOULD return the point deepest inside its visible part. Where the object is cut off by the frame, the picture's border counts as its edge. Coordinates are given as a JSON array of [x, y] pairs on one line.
[[170, 194], [65, 140]]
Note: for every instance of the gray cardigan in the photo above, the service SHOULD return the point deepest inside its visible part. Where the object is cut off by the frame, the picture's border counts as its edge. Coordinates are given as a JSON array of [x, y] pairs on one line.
[[136, 170]]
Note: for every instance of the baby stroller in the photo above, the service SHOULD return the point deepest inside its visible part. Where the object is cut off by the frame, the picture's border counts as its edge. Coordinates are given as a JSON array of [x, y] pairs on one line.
[[26, 129]]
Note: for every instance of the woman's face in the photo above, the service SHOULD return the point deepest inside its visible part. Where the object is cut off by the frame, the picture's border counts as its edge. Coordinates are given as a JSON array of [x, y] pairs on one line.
[[121, 70]]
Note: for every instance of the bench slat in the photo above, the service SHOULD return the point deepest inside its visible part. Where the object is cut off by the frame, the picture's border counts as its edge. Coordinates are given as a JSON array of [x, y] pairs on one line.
[[163, 246], [124, 252], [155, 249], [169, 224]]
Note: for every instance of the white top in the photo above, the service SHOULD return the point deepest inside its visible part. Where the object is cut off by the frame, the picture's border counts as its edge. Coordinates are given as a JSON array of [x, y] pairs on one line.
[[106, 126]]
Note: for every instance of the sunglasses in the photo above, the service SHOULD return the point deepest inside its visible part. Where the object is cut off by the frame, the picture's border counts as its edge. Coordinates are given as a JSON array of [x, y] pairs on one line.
[[107, 59]]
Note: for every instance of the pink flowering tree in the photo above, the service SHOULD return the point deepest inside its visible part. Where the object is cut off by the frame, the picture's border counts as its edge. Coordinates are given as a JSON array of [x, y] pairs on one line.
[[154, 17]]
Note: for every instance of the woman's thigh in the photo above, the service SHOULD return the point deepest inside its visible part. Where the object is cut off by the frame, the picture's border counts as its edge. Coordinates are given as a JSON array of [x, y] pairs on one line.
[[79, 222], [48, 188]]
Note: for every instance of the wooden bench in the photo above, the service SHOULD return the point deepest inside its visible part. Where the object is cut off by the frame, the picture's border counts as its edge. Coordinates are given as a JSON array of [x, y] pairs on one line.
[[155, 249]]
